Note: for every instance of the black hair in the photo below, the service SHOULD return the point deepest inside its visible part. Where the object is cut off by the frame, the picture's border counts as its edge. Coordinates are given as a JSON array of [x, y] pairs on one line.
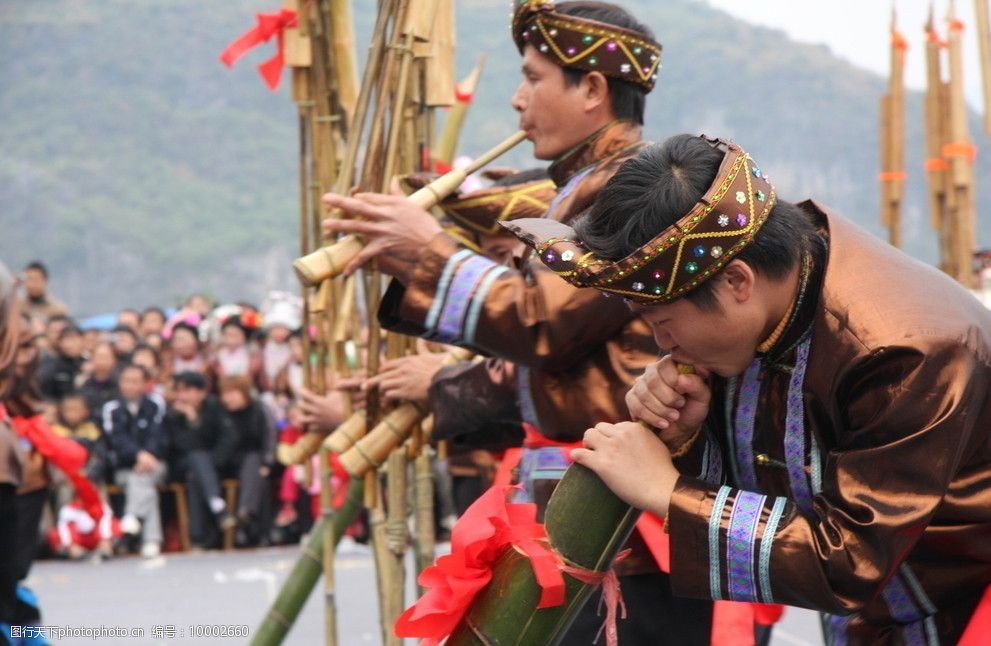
[[133, 366], [144, 347], [75, 394], [38, 266], [55, 318], [628, 99], [126, 329], [659, 186], [153, 310], [69, 330], [190, 378]]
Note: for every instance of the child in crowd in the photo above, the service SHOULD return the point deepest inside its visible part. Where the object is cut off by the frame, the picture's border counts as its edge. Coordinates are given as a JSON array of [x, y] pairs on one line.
[[185, 350], [77, 533], [280, 322], [234, 357], [132, 425], [295, 475], [75, 421]]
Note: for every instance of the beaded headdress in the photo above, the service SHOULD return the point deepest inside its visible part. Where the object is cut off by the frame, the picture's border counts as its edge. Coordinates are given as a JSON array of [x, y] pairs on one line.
[[587, 44], [720, 225]]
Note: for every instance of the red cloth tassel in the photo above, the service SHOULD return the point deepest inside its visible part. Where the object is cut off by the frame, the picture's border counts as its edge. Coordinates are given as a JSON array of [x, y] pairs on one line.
[[64, 453], [612, 597], [269, 24]]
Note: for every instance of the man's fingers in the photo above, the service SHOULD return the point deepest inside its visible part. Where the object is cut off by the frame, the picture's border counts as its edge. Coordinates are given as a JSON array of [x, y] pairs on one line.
[[361, 227], [353, 206], [584, 457], [366, 254]]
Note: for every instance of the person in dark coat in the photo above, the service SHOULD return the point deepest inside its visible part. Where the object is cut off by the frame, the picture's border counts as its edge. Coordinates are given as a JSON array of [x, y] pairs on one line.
[[204, 446], [132, 425]]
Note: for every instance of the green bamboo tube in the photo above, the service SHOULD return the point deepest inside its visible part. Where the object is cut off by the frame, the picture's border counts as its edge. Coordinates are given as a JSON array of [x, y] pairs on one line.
[[587, 524], [284, 610]]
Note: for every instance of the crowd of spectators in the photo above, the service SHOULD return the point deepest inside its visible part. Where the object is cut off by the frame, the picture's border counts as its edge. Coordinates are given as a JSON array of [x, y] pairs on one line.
[[198, 396]]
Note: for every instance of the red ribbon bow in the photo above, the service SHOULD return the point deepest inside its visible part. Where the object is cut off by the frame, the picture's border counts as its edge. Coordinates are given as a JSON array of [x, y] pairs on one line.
[[489, 527], [484, 532], [269, 24]]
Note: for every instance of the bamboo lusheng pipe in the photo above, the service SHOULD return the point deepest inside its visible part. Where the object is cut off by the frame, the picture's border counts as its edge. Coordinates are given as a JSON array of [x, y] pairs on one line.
[[961, 173], [371, 450], [330, 261], [297, 587], [936, 135], [447, 143], [423, 509]]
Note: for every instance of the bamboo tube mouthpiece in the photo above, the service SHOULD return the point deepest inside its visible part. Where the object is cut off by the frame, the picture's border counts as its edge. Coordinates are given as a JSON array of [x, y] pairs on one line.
[[371, 451], [328, 262]]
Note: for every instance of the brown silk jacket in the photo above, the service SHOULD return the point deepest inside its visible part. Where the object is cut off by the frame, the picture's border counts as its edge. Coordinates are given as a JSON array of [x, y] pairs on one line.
[[576, 351], [861, 488]]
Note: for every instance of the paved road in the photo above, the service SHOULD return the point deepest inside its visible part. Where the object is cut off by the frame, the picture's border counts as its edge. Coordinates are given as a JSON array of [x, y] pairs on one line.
[[183, 591]]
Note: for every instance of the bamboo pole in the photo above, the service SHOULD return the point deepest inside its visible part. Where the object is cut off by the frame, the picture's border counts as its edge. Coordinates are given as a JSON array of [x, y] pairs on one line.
[[344, 54], [958, 152], [297, 587], [447, 142], [936, 136], [892, 175], [983, 26]]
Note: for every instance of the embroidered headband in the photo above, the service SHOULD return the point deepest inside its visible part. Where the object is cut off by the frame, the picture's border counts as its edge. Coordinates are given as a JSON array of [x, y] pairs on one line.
[[587, 44], [680, 258]]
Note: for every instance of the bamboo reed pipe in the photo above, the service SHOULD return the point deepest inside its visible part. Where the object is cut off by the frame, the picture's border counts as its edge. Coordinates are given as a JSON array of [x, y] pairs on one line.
[[983, 27], [328, 262]]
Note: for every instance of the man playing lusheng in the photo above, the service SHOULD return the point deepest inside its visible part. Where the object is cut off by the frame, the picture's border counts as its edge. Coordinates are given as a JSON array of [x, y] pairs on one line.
[[832, 448], [587, 67]]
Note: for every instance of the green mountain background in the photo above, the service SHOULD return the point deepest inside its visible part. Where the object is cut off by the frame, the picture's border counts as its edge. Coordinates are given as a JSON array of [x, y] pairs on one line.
[[140, 169]]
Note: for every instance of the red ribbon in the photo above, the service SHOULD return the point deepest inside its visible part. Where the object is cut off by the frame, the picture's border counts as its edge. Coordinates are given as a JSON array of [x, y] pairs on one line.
[[463, 97], [484, 532], [269, 24], [66, 454]]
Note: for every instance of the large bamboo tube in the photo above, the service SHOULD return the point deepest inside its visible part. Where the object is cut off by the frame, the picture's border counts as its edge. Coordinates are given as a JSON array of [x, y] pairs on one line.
[[892, 175], [291, 598], [935, 137], [587, 524], [328, 262], [344, 54]]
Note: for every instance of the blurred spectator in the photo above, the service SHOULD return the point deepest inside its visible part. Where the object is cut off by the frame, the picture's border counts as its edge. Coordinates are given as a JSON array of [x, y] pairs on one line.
[[198, 303], [277, 351], [129, 318], [53, 329], [75, 421], [149, 359], [77, 533], [289, 381], [125, 339], [91, 338], [137, 443], [154, 341], [186, 353], [204, 447], [57, 376], [152, 322], [255, 454], [101, 384], [38, 303], [234, 357]]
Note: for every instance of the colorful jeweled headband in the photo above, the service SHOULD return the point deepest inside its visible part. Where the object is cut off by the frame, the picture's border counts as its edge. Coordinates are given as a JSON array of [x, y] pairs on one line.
[[587, 44], [680, 258]]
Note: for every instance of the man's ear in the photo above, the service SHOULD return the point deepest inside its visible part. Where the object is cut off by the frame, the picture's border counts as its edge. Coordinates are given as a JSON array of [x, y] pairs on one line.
[[739, 279], [596, 88]]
